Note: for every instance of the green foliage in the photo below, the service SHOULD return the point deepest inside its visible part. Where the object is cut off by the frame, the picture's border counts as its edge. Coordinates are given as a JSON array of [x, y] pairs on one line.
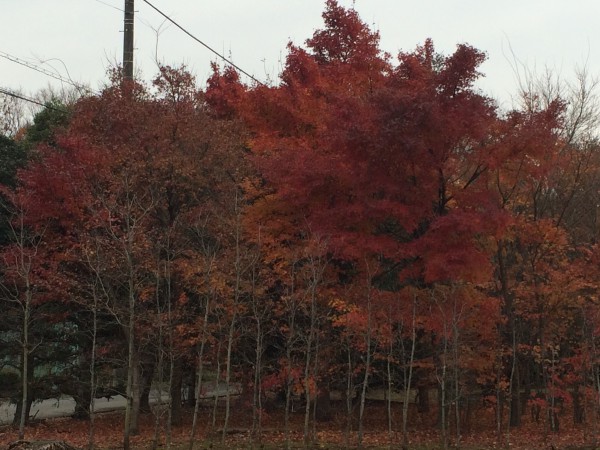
[[46, 124], [9, 383], [15, 154], [12, 158]]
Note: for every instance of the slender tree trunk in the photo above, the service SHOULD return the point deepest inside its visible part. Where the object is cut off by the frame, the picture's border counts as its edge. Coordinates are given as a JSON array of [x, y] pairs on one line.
[[442, 405], [554, 423], [499, 395], [316, 273], [25, 361], [315, 377], [512, 409], [257, 388], [158, 410], [237, 294], [133, 358], [132, 387], [408, 376], [288, 398], [230, 336], [26, 406], [209, 258], [442, 378], [289, 379], [92, 412], [388, 367], [136, 396], [21, 263], [365, 383], [200, 369], [291, 308], [349, 393], [307, 406], [217, 384], [175, 392], [307, 372], [456, 371], [175, 363]]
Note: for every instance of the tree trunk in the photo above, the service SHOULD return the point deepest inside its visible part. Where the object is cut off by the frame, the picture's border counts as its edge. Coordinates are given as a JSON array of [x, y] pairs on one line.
[[190, 374], [21, 418], [82, 400], [135, 401], [200, 370], [133, 396], [92, 412], [408, 375], [26, 363], [176, 385], [578, 408], [257, 381], [228, 373], [515, 399], [349, 393], [443, 413], [365, 382], [146, 386], [307, 373], [323, 406]]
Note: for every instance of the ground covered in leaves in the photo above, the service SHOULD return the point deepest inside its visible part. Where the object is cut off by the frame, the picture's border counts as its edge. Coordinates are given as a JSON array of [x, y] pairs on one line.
[[424, 434]]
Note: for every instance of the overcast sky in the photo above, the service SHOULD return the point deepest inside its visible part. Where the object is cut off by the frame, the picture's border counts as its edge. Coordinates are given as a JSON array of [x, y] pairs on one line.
[[85, 38]]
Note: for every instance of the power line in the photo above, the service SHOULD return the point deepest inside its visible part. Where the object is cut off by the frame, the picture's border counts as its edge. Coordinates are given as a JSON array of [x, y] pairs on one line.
[[111, 6], [231, 63], [42, 71], [30, 100]]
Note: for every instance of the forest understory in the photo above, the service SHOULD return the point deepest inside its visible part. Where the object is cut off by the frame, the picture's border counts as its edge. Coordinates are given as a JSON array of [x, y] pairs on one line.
[[478, 431]]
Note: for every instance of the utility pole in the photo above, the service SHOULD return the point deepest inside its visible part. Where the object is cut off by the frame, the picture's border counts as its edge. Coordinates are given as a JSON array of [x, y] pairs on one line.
[[128, 41]]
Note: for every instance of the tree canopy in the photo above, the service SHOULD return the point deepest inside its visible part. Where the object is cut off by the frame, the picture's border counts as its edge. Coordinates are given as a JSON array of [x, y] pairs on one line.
[[368, 221]]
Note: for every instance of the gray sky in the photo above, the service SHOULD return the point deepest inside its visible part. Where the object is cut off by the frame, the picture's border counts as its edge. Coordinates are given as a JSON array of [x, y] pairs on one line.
[[84, 36]]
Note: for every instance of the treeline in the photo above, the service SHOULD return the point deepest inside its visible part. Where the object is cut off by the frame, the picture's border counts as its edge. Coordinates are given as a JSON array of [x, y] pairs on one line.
[[369, 222]]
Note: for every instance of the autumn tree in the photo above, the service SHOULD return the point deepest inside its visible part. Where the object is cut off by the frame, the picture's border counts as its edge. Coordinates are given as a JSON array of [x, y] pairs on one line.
[[343, 116], [31, 311], [408, 164], [541, 182], [400, 231], [122, 184]]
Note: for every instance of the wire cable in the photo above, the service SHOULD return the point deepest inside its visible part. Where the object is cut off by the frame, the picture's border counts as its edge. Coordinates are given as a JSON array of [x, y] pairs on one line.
[[231, 63], [30, 100], [112, 6], [43, 71]]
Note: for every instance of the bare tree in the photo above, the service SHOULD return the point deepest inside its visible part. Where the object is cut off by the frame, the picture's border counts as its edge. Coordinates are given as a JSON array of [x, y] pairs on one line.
[[13, 114]]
